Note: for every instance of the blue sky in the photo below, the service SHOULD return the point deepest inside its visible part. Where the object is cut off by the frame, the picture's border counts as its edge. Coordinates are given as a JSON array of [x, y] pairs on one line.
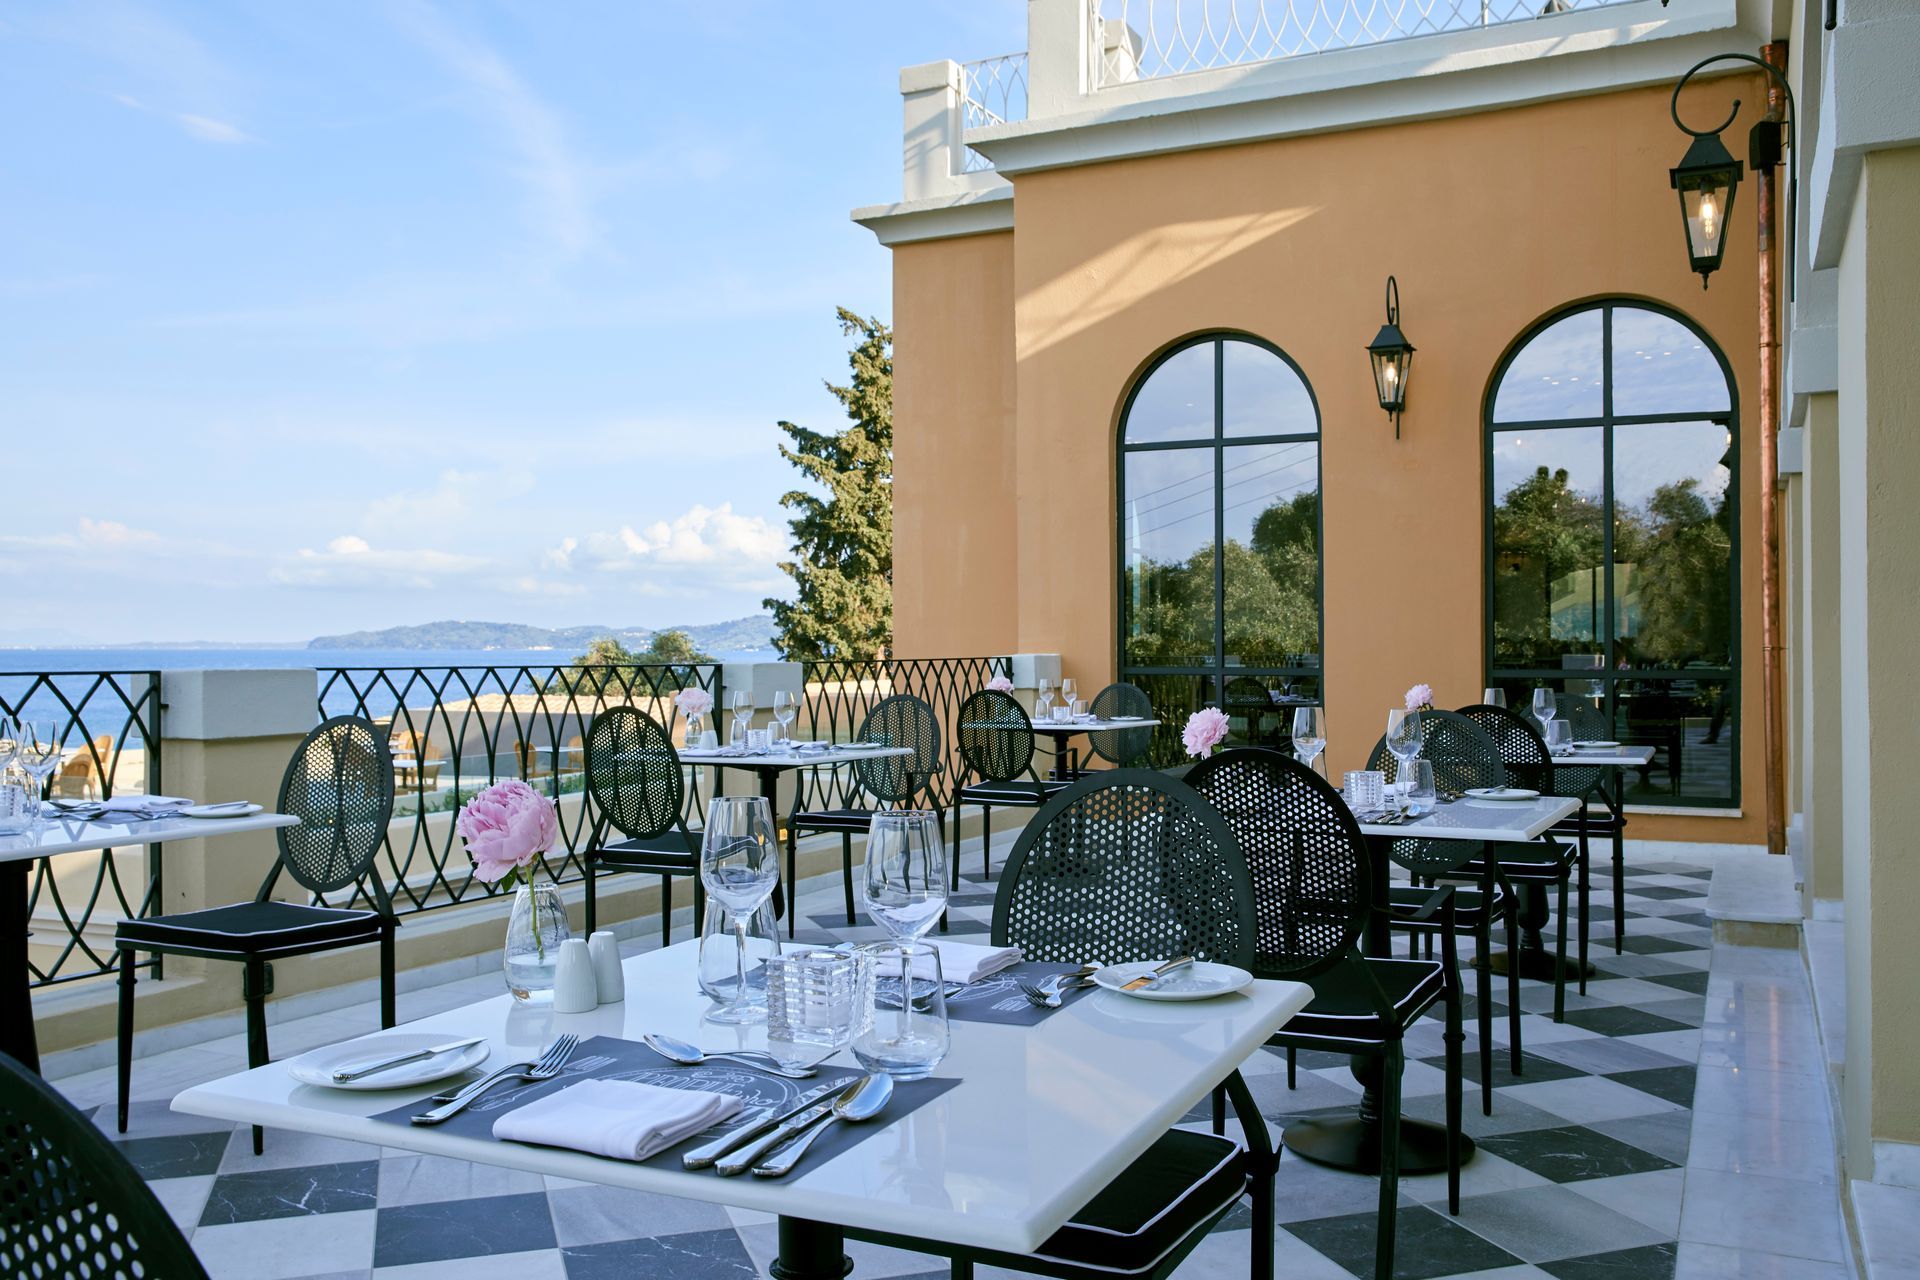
[[320, 317]]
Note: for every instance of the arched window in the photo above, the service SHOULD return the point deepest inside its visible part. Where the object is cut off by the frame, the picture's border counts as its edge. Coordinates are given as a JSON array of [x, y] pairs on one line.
[[1220, 535], [1613, 538]]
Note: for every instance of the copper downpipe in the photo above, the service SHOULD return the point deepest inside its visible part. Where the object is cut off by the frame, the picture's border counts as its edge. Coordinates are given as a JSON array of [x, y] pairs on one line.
[[1772, 711]]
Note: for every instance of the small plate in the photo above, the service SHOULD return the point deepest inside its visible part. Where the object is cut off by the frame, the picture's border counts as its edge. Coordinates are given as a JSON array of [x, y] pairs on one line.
[[1502, 793], [316, 1067], [1198, 981], [1123, 719], [213, 811], [1597, 744]]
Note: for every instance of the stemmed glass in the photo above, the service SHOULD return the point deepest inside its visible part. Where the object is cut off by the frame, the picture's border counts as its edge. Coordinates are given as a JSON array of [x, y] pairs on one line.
[[39, 749], [784, 710], [1543, 707], [1309, 734], [1042, 698], [740, 865], [905, 889], [1405, 738], [18, 810], [742, 713], [1493, 697], [1067, 691]]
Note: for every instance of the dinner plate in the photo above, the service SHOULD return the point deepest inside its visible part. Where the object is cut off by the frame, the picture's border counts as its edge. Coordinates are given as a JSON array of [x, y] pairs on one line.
[[316, 1067], [1502, 793], [1119, 719], [1198, 981], [1597, 744], [216, 811]]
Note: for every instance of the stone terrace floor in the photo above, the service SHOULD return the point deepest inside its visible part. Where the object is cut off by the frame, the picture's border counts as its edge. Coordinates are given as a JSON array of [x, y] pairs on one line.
[[1675, 1125]]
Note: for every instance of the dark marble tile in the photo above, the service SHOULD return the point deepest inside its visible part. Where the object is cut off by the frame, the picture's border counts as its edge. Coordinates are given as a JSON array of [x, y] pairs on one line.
[[1694, 875], [1309, 1059], [1618, 1020], [1698, 919], [1426, 1244], [1649, 1262], [1533, 1068], [1572, 1153], [182, 1155], [462, 1229], [1654, 944], [1668, 1134], [1663, 891], [1674, 1084], [692, 1255], [260, 1194], [1693, 981]]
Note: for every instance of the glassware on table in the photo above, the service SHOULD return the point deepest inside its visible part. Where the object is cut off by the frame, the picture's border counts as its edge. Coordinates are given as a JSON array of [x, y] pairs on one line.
[[905, 884], [903, 1024], [1067, 690], [1559, 737], [1080, 711], [1365, 790], [740, 866], [742, 704], [1309, 734], [1043, 697], [1597, 690], [18, 810], [535, 930], [785, 708], [1405, 738], [38, 747], [1543, 707], [817, 1002], [759, 741], [719, 959], [1421, 796], [1493, 697]]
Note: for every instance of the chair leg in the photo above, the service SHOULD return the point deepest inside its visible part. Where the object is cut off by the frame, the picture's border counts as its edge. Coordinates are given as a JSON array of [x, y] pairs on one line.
[[1454, 1037], [986, 842], [389, 1002], [1582, 921], [1483, 1000], [1219, 1110], [1619, 888], [846, 867], [793, 854], [953, 863], [962, 1269], [1560, 958], [666, 911], [1392, 1063], [1291, 1082], [586, 874], [254, 990], [1513, 980], [126, 1034], [1262, 1196]]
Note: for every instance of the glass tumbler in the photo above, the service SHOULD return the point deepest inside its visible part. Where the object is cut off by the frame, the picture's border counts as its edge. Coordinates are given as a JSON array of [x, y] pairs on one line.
[[817, 1002], [18, 805], [1421, 797], [903, 1027]]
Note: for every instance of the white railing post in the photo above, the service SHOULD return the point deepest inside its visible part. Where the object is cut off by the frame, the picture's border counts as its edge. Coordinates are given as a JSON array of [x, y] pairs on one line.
[[1062, 46], [933, 125]]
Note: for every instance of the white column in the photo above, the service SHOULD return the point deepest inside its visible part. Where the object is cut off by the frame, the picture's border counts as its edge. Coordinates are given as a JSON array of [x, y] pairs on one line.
[[1061, 44], [932, 126]]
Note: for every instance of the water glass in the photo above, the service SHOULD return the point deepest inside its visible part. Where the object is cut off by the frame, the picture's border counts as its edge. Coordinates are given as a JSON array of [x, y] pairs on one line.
[[1309, 734], [1559, 737], [1543, 707], [817, 1001], [903, 1024], [1418, 781], [1063, 714], [740, 866], [785, 708], [1365, 790], [719, 959], [759, 741], [1405, 738], [904, 887], [19, 807], [1493, 697], [1080, 711]]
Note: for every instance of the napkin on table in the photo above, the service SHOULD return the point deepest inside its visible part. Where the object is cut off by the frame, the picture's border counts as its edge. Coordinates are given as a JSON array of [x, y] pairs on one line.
[[143, 804], [965, 961], [621, 1119]]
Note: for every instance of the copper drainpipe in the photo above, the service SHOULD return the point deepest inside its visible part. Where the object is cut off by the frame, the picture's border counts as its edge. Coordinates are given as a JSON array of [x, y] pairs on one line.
[[1772, 714]]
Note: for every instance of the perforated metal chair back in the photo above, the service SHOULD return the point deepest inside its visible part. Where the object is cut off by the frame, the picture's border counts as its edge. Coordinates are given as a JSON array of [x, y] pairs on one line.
[[633, 773], [70, 1204], [1124, 865], [1463, 758], [1522, 750], [340, 785], [996, 737], [1588, 725], [901, 720], [1122, 747], [1304, 851]]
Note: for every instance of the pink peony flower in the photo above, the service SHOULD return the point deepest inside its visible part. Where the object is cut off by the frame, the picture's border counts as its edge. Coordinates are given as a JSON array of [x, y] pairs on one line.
[[504, 828], [1206, 729], [1000, 684], [1420, 698], [693, 702]]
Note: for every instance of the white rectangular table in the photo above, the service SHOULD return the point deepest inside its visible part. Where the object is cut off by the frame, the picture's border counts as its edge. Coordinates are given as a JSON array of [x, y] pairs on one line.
[[770, 766], [1616, 762], [1043, 1117], [59, 835]]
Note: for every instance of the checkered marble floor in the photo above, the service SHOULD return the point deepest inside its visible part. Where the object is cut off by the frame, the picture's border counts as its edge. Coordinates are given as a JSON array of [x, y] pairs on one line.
[[1580, 1172]]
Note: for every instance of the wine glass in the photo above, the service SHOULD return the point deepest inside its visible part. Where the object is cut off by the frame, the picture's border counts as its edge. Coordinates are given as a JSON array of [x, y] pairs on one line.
[[1597, 690], [1405, 737], [1543, 707], [742, 703], [1067, 691], [1309, 734], [740, 866], [38, 746], [1493, 697], [905, 887], [785, 708], [1042, 698]]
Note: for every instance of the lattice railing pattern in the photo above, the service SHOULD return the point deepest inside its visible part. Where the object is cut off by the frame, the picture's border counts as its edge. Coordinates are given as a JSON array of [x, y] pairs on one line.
[[455, 730], [993, 91], [1180, 36], [109, 722]]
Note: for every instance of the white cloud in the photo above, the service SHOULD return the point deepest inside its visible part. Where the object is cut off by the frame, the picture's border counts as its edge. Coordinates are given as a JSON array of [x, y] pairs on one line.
[[351, 561], [711, 538], [205, 128], [455, 497]]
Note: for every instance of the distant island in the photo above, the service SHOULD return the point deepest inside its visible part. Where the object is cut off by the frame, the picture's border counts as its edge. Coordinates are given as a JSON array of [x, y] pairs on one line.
[[741, 635]]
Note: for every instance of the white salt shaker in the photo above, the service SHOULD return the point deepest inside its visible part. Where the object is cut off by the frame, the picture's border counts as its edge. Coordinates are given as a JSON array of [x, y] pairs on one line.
[[574, 990], [605, 949]]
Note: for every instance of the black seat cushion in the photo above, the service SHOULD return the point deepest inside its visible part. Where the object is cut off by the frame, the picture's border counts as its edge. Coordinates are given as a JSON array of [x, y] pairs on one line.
[[1015, 791], [1179, 1185], [669, 850], [1597, 821], [854, 820], [1530, 862], [1342, 1009], [248, 928], [1406, 899]]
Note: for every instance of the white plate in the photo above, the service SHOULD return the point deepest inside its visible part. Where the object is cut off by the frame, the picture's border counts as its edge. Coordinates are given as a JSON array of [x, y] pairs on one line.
[[1198, 981], [211, 811], [1502, 793], [1597, 744], [317, 1066], [1122, 719]]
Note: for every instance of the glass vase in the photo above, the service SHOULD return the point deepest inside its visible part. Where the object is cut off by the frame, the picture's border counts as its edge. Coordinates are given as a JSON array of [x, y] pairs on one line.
[[719, 954], [534, 933], [696, 725]]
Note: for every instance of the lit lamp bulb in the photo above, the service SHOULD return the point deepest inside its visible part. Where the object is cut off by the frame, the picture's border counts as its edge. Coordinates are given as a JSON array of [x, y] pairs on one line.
[[1708, 215], [1393, 375]]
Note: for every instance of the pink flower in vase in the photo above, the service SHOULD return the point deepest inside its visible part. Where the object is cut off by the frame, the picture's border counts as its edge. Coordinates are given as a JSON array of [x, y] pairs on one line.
[[1206, 729], [693, 702], [505, 827], [1420, 698], [1000, 684]]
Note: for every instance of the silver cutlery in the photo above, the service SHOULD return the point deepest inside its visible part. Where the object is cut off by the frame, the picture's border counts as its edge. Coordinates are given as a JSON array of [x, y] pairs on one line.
[[680, 1053], [355, 1070], [703, 1156], [744, 1158], [862, 1102], [546, 1068], [1048, 992], [1160, 971]]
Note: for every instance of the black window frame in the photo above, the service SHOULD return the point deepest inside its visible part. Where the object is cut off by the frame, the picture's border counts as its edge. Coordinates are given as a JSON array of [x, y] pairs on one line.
[[1607, 420]]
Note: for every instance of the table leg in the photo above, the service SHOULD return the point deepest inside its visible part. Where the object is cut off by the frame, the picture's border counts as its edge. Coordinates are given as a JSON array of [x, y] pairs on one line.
[[770, 789], [16, 1004], [810, 1251], [1536, 962], [1619, 807]]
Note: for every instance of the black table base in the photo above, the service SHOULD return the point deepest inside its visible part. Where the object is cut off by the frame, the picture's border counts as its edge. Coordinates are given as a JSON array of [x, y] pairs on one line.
[[1536, 963], [16, 986], [810, 1251], [1353, 1143]]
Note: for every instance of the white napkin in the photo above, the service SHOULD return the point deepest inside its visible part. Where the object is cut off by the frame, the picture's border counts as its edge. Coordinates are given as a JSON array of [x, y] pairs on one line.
[[143, 804], [622, 1119], [964, 961]]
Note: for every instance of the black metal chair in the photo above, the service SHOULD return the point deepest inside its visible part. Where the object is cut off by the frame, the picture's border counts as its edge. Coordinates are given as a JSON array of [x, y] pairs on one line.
[[996, 750], [639, 789], [1314, 897], [1120, 748], [1463, 757], [1590, 724], [1536, 863], [888, 782], [1170, 880], [340, 785], [70, 1204]]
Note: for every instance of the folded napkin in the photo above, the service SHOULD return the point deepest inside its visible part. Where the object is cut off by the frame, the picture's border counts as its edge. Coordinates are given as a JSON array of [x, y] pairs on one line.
[[143, 804], [965, 961], [622, 1119]]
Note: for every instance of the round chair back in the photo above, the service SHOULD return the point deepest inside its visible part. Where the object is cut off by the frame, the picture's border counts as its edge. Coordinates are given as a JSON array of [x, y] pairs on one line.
[[1522, 749], [340, 785], [996, 738], [1588, 725], [1463, 757], [1122, 747], [902, 720], [633, 773]]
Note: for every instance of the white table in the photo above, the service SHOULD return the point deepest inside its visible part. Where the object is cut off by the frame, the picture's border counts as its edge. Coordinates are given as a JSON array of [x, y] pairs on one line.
[[1060, 730], [75, 835], [1616, 761], [770, 766], [1044, 1116]]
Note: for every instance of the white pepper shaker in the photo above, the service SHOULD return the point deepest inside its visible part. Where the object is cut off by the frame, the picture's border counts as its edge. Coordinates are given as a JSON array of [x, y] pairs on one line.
[[605, 949], [574, 990]]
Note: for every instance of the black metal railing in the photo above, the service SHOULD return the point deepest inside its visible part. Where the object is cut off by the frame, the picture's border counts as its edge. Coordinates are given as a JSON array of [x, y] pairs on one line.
[[108, 723], [456, 730], [838, 696]]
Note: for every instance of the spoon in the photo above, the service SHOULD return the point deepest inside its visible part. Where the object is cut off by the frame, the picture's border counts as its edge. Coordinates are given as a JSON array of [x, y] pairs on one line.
[[863, 1102], [683, 1054]]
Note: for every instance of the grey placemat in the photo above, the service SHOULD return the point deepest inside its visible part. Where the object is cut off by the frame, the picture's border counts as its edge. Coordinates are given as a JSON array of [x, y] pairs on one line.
[[997, 998]]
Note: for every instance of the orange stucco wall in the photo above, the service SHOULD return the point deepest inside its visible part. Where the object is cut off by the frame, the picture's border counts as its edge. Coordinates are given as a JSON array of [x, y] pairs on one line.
[[1489, 222]]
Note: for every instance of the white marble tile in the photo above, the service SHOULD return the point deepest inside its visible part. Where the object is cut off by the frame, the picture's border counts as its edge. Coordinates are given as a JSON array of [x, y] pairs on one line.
[[1713, 1262], [535, 1264], [414, 1179], [183, 1198], [1651, 1199], [1767, 1215], [1889, 1219], [285, 1149], [287, 1248], [1760, 1092], [1484, 1174], [1585, 1099], [1802, 1150]]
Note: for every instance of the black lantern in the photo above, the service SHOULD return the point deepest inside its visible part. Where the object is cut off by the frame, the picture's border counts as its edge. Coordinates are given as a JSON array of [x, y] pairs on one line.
[[1392, 357], [1706, 178]]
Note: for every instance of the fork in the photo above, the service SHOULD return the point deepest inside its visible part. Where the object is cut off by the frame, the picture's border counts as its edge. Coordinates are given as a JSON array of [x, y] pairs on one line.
[[473, 1088], [531, 1073], [1060, 984]]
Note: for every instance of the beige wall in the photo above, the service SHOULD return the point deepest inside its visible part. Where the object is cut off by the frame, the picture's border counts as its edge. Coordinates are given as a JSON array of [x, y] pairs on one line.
[[1489, 222], [1817, 730]]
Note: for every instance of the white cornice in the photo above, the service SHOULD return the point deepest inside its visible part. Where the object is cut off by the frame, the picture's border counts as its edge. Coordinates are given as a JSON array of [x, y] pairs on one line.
[[972, 213], [1867, 103]]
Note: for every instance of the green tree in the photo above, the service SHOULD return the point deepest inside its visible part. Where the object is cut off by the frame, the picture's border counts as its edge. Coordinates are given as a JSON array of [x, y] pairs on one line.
[[597, 670], [1682, 562], [843, 539], [674, 646], [1543, 531]]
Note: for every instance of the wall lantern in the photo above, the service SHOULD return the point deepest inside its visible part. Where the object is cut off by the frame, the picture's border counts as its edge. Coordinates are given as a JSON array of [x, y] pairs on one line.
[[1708, 175], [1392, 357]]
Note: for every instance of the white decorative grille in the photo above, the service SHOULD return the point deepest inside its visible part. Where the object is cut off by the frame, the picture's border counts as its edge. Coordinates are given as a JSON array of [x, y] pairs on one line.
[[994, 91]]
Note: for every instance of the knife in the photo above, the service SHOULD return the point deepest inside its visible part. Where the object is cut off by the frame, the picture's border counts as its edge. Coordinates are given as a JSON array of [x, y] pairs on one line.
[[740, 1161], [353, 1071], [1148, 979], [703, 1157]]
